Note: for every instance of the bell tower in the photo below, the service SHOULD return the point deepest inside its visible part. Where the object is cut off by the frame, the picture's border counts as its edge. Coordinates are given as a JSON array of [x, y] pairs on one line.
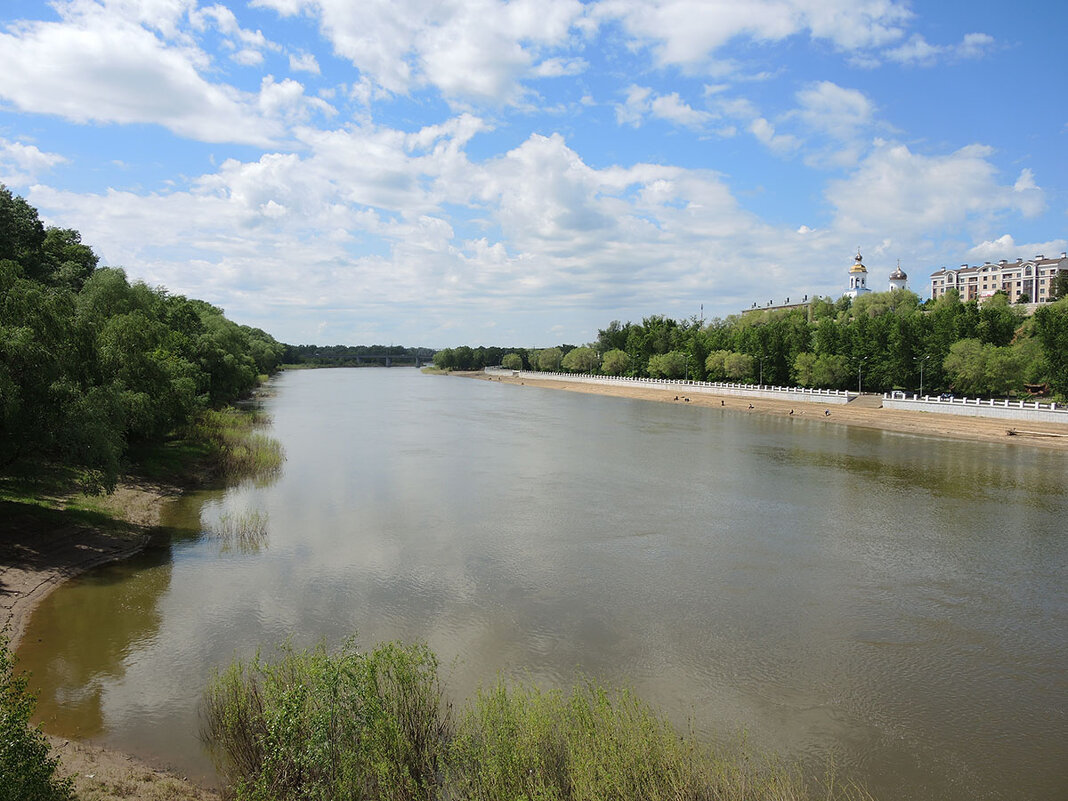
[[858, 277]]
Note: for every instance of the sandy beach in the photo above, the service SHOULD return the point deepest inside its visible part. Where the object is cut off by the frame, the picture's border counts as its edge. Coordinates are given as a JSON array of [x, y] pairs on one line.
[[865, 412]]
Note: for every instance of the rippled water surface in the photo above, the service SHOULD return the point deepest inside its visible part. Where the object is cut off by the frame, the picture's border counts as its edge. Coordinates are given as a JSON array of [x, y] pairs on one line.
[[895, 605]]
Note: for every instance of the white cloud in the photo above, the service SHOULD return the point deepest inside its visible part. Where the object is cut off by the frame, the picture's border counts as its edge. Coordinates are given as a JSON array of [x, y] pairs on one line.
[[480, 49], [247, 57], [641, 102], [305, 62], [777, 143], [686, 33], [96, 66], [899, 193], [919, 52], [672, 108], [838, 119], [1005, 247], [560, 67], [21, 164], [1029, 197]]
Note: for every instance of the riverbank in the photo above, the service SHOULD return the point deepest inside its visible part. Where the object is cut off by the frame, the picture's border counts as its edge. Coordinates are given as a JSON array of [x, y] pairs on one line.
[[50, 533], [43, 545], [864, 412]]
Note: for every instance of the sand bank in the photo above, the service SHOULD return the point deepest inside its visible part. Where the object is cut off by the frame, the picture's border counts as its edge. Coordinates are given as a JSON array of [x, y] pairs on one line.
[[864, 412]]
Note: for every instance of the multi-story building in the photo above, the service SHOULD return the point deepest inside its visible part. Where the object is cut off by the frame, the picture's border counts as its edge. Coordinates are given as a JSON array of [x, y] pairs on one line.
[[1032, 279]]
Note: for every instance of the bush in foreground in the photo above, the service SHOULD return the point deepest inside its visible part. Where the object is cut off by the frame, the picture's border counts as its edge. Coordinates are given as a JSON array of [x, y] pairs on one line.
[[316, 725], [27, 771]]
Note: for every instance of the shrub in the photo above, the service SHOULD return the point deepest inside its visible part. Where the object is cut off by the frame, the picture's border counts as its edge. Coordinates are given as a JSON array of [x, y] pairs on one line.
[[346, 725], [27, 771]]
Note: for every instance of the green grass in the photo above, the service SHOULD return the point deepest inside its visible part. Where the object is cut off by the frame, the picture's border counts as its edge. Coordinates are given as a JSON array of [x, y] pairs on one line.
[[352, 725], [243, 532], [237, 450]]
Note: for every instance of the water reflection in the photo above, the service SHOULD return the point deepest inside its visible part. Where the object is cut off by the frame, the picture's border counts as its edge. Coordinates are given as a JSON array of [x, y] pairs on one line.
[[895, 603]]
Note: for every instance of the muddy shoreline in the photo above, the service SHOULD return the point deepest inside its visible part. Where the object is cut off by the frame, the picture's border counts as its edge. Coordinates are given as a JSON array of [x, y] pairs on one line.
[[36, 556]]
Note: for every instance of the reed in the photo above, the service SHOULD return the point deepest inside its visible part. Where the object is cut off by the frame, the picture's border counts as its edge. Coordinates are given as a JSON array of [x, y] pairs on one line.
[[240, 451], [243, 532], [376, 726]]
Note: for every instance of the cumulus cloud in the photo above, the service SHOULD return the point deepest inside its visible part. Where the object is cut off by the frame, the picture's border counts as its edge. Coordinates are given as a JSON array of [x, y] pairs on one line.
[[1005, 247], [21, 164], [95, 65], [895, 191], [107, 62], [681, 34], [304, 62], [471, 50], [642, 102]]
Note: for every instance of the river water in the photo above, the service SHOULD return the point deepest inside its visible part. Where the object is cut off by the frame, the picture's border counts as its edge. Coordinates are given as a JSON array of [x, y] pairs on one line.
[[896, 606]]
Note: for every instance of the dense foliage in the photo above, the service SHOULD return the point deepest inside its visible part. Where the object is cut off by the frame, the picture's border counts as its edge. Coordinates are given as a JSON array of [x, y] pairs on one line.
[[880, 341], [377, 725], [90, 363], [27, 771]]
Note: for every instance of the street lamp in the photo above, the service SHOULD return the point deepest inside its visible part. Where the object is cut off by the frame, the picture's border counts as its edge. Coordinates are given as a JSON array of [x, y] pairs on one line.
[[761, 379], [859, 365], [921, 360]]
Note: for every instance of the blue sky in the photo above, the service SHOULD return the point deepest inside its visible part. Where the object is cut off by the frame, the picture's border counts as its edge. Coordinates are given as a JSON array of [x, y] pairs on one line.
[[445, 172]]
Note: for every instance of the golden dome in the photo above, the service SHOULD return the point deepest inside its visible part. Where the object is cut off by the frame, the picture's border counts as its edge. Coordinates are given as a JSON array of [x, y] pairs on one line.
[[858, 265]]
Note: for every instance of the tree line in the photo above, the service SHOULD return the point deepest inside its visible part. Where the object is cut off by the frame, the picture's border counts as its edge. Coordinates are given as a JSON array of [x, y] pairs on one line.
[[878, 342], [352, 355], [91, 363]]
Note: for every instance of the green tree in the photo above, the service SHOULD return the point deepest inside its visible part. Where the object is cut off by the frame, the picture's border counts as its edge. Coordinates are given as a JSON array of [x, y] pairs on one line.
[[615, 362], [668, 365], [1058, 287], [581, 360], [512, 361], [715, 364], [738, 366], [549, 359], [966, 366], [67, 262], [1051, 330]]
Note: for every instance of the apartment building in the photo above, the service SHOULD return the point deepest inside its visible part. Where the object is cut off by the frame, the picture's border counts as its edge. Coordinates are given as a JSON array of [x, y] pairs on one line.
[[1031, 278]]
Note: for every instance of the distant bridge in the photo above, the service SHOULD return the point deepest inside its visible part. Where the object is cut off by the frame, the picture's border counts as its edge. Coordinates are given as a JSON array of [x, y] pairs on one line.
[[390, 359]]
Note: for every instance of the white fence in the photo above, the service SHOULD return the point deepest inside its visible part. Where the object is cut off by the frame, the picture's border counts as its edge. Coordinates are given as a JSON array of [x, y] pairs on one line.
[[801, 394], [979, 407]]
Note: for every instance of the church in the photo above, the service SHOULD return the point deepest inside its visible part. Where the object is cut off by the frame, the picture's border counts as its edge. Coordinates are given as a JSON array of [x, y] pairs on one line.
[[858, 285]]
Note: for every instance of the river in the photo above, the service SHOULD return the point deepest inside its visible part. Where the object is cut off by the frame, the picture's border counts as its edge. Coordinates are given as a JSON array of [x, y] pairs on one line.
[[896, 606]]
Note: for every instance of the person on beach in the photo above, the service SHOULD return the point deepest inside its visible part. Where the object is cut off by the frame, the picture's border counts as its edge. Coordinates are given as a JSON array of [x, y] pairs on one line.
[[826, 412]]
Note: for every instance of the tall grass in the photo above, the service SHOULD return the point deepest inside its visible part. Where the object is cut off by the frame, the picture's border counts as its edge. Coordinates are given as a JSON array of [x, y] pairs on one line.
[[241, 452], [315, 725], [347, 725], [243, 532]]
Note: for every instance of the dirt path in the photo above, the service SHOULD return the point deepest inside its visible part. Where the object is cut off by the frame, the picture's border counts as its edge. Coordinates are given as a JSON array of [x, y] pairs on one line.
[[866, 412]]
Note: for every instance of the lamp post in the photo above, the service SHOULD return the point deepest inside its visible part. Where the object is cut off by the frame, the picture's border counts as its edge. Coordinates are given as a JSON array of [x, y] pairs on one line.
[[860, 364], [760, 381], [921, 360]]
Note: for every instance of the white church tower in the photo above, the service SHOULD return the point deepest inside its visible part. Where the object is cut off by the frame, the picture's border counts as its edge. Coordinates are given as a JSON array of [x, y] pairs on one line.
[[898, 279], [858, 278]]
